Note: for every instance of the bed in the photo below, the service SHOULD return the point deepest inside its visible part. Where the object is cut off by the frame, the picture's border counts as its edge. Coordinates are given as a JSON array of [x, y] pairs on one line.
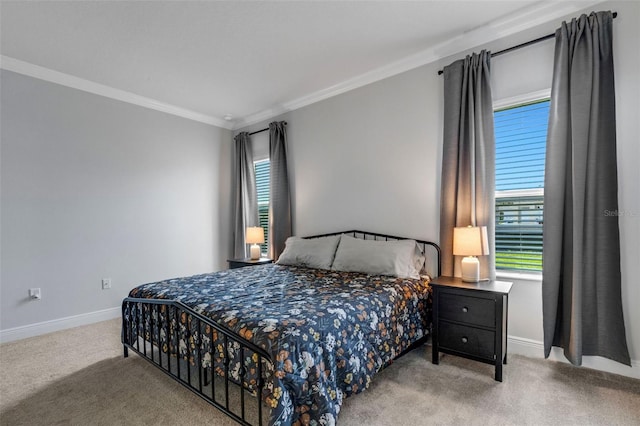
[[282, 344]]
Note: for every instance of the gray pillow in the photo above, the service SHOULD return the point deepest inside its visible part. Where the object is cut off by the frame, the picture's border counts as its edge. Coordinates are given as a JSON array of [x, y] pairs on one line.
[[312, 253], [395, 258]]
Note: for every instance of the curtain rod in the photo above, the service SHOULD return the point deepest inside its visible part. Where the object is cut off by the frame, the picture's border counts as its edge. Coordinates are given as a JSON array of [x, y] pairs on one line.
[[528, 43], [263, 130]]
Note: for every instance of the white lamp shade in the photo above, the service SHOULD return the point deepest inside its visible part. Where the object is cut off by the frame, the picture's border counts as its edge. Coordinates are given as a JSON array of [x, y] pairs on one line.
[[254, 235], [470, 241]]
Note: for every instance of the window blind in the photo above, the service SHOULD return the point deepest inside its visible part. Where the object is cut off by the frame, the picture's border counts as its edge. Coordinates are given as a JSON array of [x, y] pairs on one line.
[[262, 171], [521, 134]]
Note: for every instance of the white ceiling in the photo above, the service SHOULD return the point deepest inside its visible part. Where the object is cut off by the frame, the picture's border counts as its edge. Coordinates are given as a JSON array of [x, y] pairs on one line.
[[251, 60]]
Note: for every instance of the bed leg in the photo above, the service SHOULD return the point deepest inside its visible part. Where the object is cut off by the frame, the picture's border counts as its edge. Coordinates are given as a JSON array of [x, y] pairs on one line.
[[206, 377], [126, 351]]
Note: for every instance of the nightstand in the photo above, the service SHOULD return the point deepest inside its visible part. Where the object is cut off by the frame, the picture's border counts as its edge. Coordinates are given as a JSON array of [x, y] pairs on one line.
[[470, 320], [241, 263]]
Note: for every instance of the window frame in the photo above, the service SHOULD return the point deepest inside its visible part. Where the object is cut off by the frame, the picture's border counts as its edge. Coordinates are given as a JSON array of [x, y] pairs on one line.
[[501, 104], [264, 247]]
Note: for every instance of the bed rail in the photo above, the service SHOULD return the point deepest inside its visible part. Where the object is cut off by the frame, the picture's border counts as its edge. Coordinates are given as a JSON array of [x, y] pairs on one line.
[[186, 345], [197, 352]]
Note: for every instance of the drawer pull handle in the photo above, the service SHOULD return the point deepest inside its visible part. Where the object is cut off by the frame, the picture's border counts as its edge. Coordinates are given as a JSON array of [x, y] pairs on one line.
[[465, 309], [465, 340]]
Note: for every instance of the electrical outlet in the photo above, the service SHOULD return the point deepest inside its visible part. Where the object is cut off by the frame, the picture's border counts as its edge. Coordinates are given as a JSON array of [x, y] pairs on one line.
[[35, 293], [106, 283]]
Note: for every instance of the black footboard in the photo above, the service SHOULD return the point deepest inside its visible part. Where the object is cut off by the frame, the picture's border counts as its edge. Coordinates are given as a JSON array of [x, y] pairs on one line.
[[224, 369]]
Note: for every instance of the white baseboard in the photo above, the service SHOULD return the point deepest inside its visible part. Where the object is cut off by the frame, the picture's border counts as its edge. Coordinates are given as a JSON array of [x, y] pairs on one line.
[[516, 345], [535, 349], [45, 327]]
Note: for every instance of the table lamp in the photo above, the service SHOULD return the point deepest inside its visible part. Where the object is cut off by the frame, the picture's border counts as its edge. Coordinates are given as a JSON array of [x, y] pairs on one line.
[[255, 236], [470, 241]]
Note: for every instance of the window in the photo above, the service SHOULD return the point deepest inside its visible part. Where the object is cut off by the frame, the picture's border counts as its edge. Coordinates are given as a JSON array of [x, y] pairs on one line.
[[521, 135], [262, 188]]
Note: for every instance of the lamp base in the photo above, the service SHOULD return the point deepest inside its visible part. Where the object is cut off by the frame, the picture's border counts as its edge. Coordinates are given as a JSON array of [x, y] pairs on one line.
[[255, 252], [470, 269]]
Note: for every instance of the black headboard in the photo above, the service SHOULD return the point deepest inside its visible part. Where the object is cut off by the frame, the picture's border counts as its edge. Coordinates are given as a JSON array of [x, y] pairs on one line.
[[382, 237]]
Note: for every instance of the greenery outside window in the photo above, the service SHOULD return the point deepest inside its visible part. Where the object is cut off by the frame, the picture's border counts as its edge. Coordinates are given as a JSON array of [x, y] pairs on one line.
[[521, 134]]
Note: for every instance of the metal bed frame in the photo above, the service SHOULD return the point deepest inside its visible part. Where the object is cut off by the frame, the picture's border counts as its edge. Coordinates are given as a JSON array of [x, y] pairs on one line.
[[141, 325]]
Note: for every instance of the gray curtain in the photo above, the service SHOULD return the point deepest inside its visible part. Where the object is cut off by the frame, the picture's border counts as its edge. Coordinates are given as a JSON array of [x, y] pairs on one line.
[[582, 307], [280, 227], [246, 200], [468, 158]]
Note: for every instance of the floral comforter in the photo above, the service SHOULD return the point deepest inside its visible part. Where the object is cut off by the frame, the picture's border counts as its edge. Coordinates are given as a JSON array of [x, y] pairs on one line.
[[328, 332]]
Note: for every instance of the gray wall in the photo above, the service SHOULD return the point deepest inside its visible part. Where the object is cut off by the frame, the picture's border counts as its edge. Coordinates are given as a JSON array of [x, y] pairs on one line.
[[370, 159], [95, 188]]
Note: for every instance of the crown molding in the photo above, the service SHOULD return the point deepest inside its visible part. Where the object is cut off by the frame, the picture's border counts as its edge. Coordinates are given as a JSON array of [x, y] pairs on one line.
[[21, 67], [522, 20], [240, 123]]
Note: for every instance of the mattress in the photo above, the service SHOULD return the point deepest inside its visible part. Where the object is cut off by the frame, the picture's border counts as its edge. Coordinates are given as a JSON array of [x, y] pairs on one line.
[[328, 332]]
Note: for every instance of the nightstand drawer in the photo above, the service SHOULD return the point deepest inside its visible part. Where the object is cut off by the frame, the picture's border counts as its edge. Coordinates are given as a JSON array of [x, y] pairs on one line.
[[467, 309], [470, 320], [469, 340]]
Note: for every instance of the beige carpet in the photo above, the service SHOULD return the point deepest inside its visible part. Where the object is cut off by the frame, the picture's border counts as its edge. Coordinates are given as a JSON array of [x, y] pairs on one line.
[[79, 377]]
